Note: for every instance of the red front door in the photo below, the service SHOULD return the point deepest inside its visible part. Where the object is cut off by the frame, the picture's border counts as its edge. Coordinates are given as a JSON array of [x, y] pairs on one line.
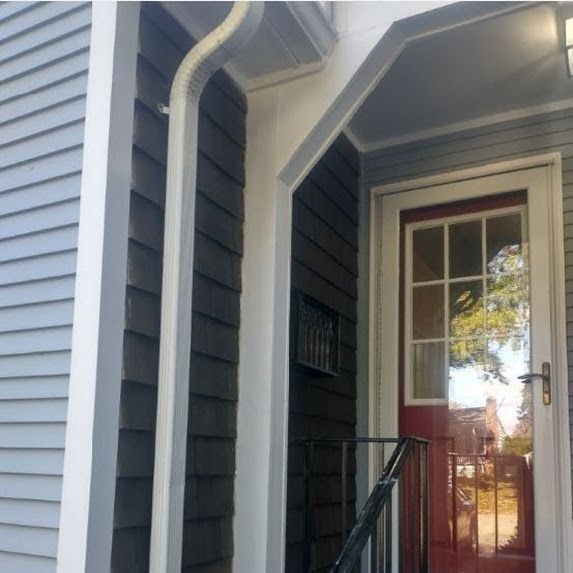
[[465, 340]]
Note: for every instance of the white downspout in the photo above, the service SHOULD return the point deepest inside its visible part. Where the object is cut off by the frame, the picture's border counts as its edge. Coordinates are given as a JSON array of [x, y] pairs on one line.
[[197, 67]]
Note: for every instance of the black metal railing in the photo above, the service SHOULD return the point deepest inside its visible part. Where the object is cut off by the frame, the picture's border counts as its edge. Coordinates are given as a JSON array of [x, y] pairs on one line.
[[404, 459]]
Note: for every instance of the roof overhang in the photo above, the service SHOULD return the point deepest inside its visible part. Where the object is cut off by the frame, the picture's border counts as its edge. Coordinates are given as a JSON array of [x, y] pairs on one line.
[[502, 61]]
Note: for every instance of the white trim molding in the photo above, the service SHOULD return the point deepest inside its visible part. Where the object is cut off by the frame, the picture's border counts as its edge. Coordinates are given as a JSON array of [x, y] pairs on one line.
[[281, 76], [546, 159], [451, 128], [262, 417], [88, 494], [353, 139], [542, 173]]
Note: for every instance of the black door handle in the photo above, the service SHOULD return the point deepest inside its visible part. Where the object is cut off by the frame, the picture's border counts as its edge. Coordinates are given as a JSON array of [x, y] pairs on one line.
[[545, 376]]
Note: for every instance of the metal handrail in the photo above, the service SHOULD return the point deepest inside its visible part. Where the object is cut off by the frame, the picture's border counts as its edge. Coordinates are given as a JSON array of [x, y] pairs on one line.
[[379, 501], [366, 524]]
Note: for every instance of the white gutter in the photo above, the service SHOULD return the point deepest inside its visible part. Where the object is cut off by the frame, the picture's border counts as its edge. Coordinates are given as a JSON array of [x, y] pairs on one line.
[[206, 57]]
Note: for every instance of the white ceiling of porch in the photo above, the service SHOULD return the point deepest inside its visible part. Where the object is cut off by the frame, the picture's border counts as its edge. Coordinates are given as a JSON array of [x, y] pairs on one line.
[[511, 62]]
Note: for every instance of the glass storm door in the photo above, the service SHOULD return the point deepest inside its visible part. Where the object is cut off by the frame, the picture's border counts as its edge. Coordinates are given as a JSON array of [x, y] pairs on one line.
[[465, 343]]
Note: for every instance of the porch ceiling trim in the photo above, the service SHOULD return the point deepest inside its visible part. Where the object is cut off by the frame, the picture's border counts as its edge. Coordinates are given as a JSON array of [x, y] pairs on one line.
[[548, 159], [401, 34], [449, 129]]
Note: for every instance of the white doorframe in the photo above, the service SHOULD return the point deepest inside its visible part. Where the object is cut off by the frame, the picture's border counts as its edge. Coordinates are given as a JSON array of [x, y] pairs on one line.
[[387, 202]]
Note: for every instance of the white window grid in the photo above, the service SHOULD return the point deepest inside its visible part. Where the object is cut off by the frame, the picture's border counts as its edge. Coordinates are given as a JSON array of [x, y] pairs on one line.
[[446, 281]]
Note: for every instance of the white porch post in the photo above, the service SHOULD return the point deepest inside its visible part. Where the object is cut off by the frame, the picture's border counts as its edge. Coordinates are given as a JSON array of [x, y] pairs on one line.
[[263, 369], [86, 521]]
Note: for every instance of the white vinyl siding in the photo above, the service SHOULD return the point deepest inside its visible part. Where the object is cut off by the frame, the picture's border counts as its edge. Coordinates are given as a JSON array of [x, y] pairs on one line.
[[44, 49]]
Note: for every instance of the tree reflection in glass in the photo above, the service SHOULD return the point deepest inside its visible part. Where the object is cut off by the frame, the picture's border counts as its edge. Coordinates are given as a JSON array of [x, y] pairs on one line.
[[493, 444]]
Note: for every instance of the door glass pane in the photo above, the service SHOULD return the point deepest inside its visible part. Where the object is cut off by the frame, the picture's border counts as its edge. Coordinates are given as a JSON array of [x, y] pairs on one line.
[[481, 425], [428, 312], [465, 249], [509, 423], [503, 243], [507, 306], [466, 369], [466, 309], [428, 254], [428, 371]]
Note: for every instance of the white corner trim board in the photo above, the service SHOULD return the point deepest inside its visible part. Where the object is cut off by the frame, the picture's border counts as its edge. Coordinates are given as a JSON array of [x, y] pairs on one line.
[[205, 58], [86, 518]]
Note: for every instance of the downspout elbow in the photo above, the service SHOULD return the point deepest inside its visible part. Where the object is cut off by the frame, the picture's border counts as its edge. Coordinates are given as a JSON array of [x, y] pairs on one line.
[[215, 50]]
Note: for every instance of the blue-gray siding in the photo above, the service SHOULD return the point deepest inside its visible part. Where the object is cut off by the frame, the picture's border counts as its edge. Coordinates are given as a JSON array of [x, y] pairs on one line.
[[43, 76], [494, 143]]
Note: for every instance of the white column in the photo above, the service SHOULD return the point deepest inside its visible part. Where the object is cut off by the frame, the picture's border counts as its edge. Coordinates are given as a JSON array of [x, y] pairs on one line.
[[86, 522], [263, 371], [364, 422]]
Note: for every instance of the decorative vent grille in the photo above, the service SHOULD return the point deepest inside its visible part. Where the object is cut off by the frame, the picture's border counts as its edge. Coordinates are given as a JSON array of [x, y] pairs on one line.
[[317, 336]]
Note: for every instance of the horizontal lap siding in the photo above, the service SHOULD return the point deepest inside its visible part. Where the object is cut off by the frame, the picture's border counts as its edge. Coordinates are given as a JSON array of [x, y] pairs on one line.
[[43, 79], [490, 144], [209, 495], [324, 266]]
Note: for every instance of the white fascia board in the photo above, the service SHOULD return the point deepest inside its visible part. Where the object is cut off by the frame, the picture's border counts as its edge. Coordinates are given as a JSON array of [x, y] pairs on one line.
[[88, 492], [458, 127]]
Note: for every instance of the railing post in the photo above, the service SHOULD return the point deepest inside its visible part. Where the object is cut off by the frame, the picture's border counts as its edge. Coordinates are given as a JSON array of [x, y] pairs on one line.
[[454, 502], [388, 537], [374, 551], [343, 492], [424, 508], [401, 520], [308, 506], [387, 528], [496, 502], [476, 484], [371, 525]]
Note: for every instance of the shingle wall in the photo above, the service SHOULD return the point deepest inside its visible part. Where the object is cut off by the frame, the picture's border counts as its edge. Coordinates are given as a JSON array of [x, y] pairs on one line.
[[324, 266]]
